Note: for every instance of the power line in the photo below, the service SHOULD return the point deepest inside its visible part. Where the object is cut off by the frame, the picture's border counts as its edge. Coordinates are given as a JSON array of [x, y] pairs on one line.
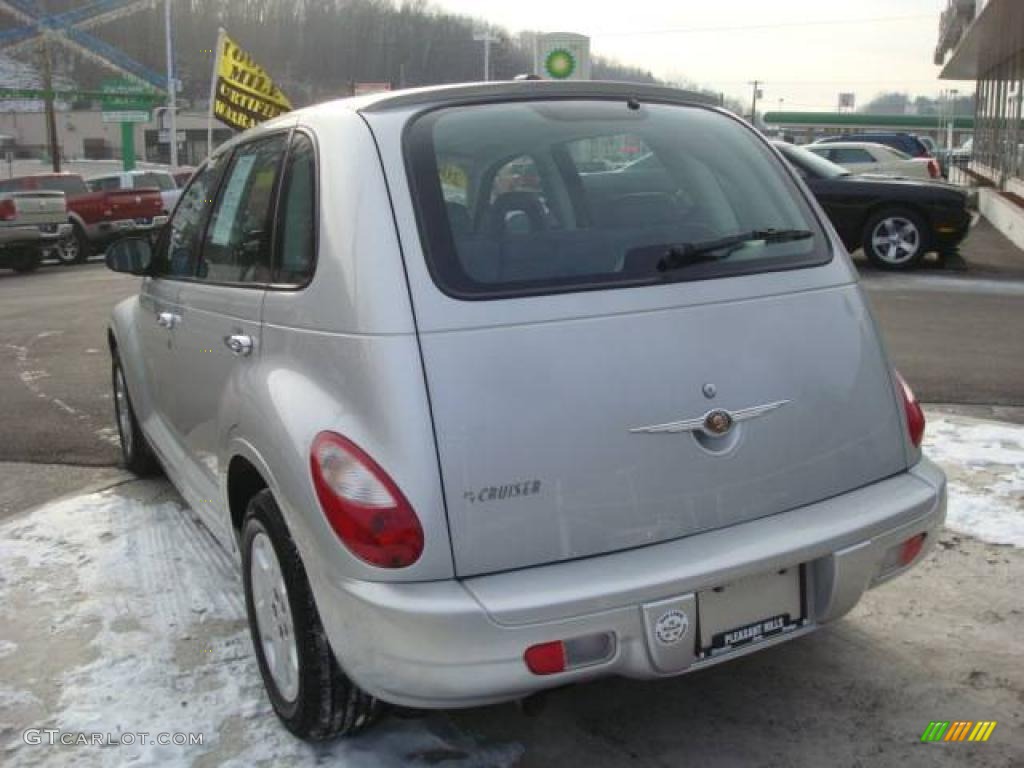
[[775, 25]]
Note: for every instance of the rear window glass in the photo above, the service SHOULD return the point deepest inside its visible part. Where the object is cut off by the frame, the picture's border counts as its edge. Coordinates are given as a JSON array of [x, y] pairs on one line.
[[162, 181], [558, 195]]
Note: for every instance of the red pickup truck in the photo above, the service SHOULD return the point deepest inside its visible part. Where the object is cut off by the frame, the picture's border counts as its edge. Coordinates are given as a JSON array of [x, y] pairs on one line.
[[97, 218]]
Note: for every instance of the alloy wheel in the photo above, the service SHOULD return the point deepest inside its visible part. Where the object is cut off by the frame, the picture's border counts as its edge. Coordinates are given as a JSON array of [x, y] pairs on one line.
[[896, 240], [274, 617]]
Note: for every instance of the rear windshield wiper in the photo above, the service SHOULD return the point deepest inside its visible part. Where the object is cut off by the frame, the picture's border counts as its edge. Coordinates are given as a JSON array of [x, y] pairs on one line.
[[684, 254]]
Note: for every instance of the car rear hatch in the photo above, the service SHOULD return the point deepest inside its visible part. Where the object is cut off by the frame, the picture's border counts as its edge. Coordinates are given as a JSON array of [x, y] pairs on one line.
[[39, 207], [573, 422]]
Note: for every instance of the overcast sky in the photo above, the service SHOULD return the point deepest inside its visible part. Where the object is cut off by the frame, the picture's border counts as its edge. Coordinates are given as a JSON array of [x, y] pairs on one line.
[[806, 51]]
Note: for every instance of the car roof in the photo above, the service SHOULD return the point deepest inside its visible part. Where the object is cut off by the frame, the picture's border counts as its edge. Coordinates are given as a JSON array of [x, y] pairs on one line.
[[463, 93], [853, 145]]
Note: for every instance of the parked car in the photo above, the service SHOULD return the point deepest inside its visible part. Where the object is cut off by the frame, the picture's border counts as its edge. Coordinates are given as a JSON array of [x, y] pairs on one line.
[[182, 175], [661, 430], [907, 143], [896, 221], [29, 223], [863, 157], [162, 181], [97, 218]]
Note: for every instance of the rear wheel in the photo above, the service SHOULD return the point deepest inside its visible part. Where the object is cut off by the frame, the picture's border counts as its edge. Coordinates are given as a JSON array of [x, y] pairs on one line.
[[309, 692], [895, 239], [138, 456], [74, 249]]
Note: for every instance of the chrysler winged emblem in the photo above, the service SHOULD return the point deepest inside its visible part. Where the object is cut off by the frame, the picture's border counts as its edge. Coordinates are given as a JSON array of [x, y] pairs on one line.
[[715, 423]]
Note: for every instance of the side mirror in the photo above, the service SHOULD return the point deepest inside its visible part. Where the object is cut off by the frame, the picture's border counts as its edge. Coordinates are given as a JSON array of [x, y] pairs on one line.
[[132, 255]]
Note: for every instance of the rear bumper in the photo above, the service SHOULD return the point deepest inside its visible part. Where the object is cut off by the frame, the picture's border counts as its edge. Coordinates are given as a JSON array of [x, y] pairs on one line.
[[460, 643], [108, 230], [32, 234]]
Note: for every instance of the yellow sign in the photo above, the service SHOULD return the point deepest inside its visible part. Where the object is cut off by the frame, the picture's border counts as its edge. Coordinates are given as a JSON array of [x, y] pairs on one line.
[[244, 94]]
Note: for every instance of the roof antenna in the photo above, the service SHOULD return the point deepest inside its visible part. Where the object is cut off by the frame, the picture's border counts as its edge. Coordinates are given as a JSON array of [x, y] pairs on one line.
[[633, 103]]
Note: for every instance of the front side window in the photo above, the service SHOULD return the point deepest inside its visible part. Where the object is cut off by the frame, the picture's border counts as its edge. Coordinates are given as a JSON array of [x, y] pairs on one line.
[[236, 248], [178, 252], [558, 195]]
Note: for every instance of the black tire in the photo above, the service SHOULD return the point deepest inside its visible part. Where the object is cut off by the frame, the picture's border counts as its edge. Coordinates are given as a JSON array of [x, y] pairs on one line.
[[27, 261], [909, 243], [138, 457], [327, 704], [82, 247]]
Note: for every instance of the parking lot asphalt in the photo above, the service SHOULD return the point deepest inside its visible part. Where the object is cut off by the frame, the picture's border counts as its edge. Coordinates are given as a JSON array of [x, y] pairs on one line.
[[957, 337]]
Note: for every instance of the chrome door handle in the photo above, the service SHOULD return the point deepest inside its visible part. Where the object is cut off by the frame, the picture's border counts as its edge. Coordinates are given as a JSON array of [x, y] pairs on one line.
[[240, 345], [167, 319]]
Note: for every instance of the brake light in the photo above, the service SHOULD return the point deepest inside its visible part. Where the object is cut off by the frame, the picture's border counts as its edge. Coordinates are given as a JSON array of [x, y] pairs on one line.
[[363, 505], [8, 210], [912, 410], [911, 548], [546, 658], [933, 169]]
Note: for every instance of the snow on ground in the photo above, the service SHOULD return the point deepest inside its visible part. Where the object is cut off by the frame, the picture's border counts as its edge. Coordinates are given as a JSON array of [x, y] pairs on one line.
[[984, 461], [133, 621], [119, 614]]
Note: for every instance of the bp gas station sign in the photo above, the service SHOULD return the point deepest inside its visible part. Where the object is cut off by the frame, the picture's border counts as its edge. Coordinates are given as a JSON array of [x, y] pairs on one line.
[[563, 56]]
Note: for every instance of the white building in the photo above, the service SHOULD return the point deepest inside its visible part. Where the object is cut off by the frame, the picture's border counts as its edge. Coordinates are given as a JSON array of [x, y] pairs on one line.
[[983, 40]]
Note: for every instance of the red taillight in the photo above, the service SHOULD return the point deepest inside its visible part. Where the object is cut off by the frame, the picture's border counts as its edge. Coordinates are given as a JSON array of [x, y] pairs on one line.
[[546, 658], [911, 548], [913, 411], [8, 210], [933, 169], [363, 505]]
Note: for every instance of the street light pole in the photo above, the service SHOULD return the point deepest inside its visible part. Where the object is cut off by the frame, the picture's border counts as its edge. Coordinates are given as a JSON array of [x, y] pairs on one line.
[[487, 38], [172, 95], [753, 106]]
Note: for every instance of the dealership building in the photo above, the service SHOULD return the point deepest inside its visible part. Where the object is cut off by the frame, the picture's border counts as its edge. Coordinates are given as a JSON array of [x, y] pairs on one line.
[[983, 40]]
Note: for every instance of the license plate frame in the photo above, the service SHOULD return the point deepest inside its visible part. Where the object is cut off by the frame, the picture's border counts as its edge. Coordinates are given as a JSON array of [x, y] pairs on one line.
[[751, 610]]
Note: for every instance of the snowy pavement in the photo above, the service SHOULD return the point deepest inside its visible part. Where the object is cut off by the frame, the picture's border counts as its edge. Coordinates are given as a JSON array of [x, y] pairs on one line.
[[120, 616]]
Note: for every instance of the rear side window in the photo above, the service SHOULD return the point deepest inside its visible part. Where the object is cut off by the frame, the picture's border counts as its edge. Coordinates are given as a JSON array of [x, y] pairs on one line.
[[549, 196], [161, 181], [110, 184], [236, 248], [845, 155], [296, 245]]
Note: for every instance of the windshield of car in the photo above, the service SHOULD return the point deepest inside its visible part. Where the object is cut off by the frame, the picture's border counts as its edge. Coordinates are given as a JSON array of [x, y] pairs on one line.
[[810, 162], [548, 196]]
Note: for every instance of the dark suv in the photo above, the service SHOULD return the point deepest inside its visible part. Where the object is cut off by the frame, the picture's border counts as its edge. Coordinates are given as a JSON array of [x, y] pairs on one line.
[[904, 142]]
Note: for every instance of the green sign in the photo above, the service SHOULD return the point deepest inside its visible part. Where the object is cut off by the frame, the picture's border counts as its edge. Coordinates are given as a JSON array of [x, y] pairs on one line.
[[126, 95], [560, 64], [143, 99]]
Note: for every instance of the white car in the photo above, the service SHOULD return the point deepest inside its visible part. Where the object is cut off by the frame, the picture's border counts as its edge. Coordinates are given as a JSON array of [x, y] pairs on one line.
[[865, 157], [162, 180], [474, 441]]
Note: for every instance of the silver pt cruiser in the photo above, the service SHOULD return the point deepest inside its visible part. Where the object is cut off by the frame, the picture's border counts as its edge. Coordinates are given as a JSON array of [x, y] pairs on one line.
[[494, 388]]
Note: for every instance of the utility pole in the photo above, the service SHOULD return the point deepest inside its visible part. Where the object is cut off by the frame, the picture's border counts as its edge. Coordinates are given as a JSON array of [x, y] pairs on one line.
[[753, 106], [51, 116], [172, 95], [487, 38]]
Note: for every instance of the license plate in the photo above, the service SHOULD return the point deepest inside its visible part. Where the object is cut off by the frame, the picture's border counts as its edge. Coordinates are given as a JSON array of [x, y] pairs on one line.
[[48, 228], [750, 610], [144, 222]]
